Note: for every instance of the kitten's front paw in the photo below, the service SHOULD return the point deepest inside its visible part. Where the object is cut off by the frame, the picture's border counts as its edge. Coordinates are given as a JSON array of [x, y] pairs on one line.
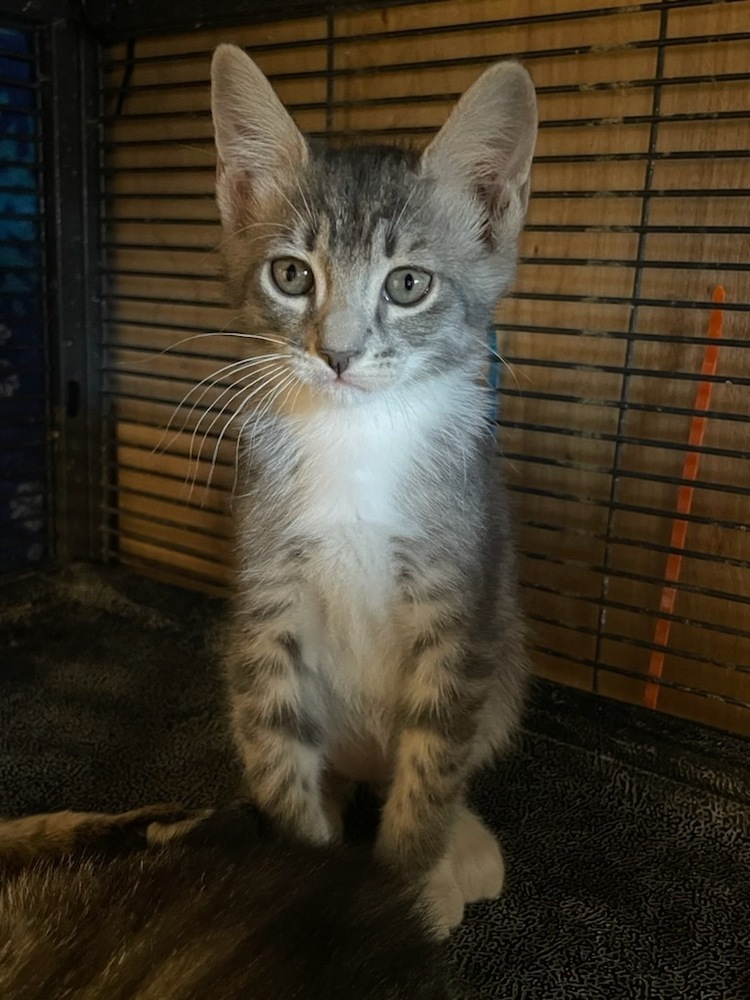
[[444, 899], [315, 828], [475, 859], [472, 869]]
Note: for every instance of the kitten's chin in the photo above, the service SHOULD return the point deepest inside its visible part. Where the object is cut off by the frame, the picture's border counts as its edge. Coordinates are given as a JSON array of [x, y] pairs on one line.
[[345, 390], [312, 394]]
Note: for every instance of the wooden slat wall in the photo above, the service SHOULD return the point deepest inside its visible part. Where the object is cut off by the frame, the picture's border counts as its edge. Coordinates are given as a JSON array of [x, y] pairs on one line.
[[640, 208]]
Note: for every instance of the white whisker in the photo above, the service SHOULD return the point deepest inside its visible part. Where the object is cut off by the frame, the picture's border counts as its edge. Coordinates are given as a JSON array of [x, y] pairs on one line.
[[260, 414], [292, 206], [258, 377], [499, 357], [213, 381], [395, 224], [244, 402], [310, 217], [194, 462], [282, 226], [213, 334]]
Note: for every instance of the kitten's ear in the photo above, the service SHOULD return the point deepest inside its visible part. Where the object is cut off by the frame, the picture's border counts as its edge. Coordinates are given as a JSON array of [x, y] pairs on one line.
[[487, 144], [258, 144]]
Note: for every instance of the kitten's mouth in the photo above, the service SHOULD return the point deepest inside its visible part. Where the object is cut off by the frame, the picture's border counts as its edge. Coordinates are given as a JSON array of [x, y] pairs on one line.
[[347, 380], [347, 384], [344, 384]]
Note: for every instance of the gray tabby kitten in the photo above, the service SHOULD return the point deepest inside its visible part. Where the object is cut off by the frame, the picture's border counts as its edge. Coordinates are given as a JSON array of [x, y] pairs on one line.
[[376, 631]]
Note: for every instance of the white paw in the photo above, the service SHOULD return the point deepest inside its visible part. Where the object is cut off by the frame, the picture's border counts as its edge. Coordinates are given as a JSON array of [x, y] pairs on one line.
[[475, 859], [317, 829], [444, 900]]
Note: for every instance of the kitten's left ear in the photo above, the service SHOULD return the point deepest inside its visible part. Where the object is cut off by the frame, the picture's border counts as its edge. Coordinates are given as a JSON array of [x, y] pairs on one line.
[[259, 147], [487, 144]]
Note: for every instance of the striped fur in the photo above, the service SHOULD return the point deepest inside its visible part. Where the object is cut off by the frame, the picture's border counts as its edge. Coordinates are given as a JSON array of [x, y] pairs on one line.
[[376, 633]]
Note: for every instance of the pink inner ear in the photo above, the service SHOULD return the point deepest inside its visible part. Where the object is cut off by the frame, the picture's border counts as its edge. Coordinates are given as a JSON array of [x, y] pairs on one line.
[[494, 199], [238, 189]]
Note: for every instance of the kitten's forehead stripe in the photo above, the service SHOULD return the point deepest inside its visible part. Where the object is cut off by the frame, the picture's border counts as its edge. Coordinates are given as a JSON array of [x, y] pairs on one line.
[[361, 191], [416, 246], [312, 233]]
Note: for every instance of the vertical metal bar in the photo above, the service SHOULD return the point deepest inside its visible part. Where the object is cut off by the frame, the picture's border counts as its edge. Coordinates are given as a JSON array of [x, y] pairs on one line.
[[70, 100], [632, 328], [49, 476], [109, 467], [330, 67]]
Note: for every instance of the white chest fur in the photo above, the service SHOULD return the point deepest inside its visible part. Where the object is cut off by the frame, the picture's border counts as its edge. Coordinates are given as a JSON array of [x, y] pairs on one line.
[[349, 499], [356, 459], [352, 463], [351, 489]]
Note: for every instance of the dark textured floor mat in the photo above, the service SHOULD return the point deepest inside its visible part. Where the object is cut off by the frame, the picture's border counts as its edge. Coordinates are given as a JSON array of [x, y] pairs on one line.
[[627, 834]]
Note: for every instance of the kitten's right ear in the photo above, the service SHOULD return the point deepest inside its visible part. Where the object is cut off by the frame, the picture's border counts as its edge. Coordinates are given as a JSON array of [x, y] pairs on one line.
[[258, 144], [487, 144]]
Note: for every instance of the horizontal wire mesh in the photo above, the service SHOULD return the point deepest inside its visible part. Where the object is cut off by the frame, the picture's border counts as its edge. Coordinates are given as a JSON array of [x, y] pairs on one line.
[[639, 209]]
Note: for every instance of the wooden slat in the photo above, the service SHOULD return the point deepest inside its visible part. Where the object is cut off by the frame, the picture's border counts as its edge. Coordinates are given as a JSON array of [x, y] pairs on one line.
[[276, 32], [181, 237], [166, 572], [147, 210], [177, 567], [177, 443], [160, 487], [192, 72], [147, 507], [142, 337], [184, 319]]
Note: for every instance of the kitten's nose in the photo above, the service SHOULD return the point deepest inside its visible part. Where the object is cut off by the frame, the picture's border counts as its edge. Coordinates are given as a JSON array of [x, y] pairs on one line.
[[338, 360]]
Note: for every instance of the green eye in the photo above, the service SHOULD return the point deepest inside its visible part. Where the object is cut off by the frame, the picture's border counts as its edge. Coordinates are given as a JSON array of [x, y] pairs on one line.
[[292, 276], [407, 285]]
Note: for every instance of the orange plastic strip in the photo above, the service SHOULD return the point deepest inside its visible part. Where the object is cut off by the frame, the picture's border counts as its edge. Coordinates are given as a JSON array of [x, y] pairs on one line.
[[684, 501]]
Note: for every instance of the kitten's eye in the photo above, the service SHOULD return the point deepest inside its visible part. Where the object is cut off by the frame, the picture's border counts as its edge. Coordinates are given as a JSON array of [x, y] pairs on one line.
[[292, 276], [407, 285]]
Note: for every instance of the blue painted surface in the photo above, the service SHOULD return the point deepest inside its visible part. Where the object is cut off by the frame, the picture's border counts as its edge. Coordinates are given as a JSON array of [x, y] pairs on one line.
[[23, 448]]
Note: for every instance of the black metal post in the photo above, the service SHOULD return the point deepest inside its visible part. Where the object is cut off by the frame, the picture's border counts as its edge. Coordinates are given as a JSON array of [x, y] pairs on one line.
[[71, 149]]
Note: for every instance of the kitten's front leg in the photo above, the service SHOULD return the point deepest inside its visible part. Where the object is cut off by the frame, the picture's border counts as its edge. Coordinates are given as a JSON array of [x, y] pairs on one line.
[[423, 798], [419, 814], [425, 827], [437, 721], [277, 718]]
